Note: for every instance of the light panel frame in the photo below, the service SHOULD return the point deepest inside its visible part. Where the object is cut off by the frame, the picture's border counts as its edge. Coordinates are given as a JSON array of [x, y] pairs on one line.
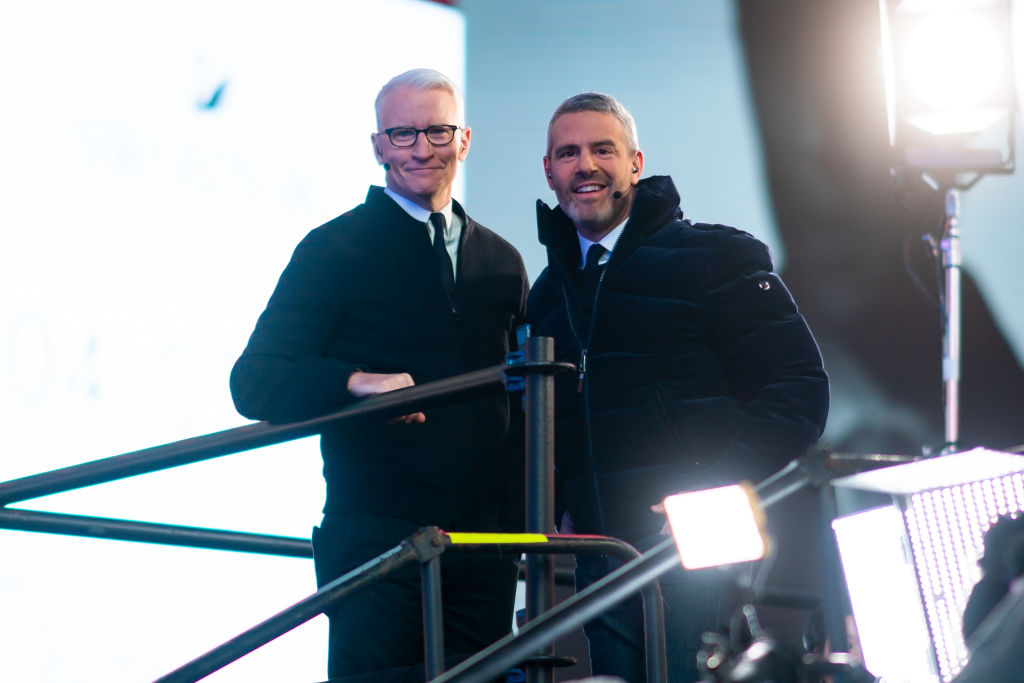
[[718, 526], [921, 552]]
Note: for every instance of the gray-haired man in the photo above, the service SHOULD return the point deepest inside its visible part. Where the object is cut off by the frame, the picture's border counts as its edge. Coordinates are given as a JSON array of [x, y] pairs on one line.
[[405, 288]]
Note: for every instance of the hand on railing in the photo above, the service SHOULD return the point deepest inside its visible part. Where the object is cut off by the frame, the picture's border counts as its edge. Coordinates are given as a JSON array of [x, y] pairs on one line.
[[372, 383]]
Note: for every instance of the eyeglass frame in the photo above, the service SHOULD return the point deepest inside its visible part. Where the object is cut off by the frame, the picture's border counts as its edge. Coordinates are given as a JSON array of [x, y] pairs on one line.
[[449, 126]]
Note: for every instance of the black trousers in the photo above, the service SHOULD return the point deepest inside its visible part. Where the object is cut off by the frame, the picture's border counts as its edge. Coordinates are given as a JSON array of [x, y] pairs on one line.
[[377, 633]]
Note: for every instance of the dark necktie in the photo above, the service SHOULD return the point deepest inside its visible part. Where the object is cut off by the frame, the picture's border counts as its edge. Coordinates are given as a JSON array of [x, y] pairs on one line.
[[594, 254], [445, 261], [590, 276]]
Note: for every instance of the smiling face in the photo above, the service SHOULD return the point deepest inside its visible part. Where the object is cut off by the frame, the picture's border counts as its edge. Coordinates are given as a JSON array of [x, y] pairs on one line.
[[423, 173], [589, 160]]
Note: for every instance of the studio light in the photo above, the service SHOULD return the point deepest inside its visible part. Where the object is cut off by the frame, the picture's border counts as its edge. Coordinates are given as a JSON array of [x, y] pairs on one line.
[[717, 526], [909, 538], [953, 62], [948, 67]]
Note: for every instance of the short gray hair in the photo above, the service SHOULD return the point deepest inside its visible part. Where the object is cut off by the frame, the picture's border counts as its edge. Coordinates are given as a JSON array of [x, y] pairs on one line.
[[604, 104], [423, 79]]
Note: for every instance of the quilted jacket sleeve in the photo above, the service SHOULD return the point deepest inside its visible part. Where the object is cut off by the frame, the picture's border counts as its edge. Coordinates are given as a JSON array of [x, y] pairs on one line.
[[771, 361]]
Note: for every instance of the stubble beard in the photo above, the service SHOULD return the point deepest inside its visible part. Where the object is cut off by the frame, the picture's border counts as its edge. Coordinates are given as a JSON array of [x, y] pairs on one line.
[[591, 220]]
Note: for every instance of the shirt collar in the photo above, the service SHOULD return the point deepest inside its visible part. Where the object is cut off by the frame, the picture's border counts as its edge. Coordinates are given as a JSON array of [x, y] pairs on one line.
[[418, 212], [608, 242]]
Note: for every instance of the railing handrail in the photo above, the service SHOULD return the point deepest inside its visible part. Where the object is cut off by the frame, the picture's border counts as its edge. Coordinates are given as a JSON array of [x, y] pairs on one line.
[[247, 437], [429, 542], [408, 551], [153, 532]]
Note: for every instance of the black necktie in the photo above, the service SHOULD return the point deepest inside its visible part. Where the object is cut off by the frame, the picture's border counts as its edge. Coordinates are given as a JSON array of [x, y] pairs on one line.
[[594, 254], [445, 261], [590, 276]]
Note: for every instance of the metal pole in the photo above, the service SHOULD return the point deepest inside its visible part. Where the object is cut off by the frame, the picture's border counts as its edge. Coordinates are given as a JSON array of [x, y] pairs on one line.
[[655, 647], [540, 492], [952, 260], [148, 532], [433, 617], [654, 611], [566, 616], [833, 606]]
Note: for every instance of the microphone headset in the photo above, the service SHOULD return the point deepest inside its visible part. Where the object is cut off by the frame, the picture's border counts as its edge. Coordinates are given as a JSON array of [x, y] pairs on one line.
[[617, 194]]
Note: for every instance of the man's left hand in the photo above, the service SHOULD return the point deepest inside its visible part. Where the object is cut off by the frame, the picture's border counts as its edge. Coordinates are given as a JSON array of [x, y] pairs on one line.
[[659, 508]]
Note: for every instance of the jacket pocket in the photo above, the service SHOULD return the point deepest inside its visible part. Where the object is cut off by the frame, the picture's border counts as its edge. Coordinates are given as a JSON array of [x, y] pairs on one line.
[[701, 428]]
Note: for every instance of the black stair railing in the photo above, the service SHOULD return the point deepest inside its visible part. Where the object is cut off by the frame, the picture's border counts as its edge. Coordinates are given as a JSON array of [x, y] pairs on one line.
[[248, 437], [425, 547]]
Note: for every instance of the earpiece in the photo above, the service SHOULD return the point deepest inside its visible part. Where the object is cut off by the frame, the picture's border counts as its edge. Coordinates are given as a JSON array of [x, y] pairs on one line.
[[387, 166], [635, 169]]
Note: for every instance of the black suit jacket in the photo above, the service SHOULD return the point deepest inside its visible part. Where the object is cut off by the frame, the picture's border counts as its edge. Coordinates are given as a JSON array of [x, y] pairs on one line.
[[364, 291]]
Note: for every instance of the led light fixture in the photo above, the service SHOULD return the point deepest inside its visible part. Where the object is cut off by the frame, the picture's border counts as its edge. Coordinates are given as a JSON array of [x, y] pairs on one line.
[[948, 69], [910, 555], [717, 526]]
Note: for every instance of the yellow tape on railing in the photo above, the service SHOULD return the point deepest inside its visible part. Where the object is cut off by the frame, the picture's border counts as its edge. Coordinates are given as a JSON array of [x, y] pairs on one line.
[[497, 538]]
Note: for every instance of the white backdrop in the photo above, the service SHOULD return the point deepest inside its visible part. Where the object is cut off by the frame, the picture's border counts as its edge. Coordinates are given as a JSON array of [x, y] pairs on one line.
[[158, 163]]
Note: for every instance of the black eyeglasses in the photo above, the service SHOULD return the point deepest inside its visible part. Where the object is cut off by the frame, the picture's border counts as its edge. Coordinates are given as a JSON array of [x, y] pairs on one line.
[[405, 136]]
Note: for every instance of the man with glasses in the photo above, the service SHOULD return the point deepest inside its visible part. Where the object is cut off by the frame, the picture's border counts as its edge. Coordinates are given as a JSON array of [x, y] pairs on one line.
[[695, 367], [403, 289]]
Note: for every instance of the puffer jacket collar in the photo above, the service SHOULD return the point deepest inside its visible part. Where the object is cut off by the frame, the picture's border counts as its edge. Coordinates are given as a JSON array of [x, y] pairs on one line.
[[656, 203]]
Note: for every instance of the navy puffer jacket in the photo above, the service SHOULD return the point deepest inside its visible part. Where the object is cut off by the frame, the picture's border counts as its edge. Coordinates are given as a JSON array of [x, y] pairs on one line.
[[700, 371]]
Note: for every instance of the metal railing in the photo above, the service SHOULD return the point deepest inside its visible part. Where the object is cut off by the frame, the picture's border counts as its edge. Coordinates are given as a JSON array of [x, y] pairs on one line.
[[426, 547], [248, 437], [545, 624]]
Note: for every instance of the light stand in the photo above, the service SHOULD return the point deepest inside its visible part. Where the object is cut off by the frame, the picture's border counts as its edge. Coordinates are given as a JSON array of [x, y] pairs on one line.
[[952, 260], [949, 92]]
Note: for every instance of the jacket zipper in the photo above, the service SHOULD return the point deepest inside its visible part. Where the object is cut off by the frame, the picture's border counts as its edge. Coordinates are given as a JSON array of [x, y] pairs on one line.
[[581, 388], [573, 321], [583, 371]]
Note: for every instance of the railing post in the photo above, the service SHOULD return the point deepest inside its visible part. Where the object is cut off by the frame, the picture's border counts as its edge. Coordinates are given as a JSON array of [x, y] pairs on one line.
[[834, 585], [433, 617], [569, 614], [540, 492]]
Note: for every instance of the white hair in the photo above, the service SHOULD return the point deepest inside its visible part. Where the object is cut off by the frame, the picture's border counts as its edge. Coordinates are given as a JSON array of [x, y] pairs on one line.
[[423, 79]]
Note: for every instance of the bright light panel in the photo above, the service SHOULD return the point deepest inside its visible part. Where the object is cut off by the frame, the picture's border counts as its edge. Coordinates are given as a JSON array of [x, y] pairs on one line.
[[953, 60], [717, 526], [948, 504], [946, 529], [883, 593], [945, 64]]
